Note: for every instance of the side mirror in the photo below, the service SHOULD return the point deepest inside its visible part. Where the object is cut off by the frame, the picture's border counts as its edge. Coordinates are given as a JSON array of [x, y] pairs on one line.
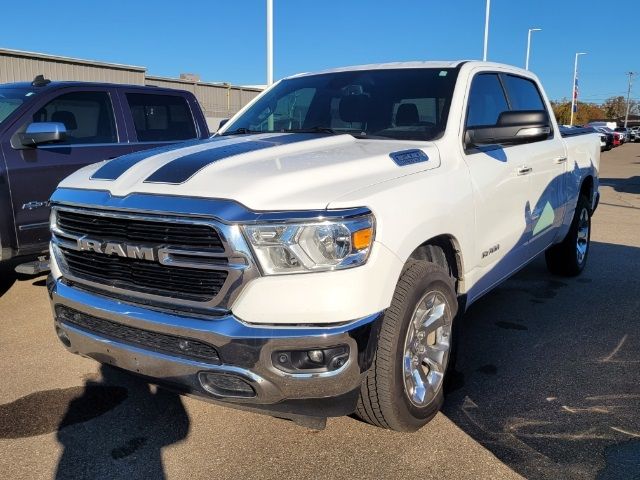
[[223, 122], [512, 128], [39, 133]]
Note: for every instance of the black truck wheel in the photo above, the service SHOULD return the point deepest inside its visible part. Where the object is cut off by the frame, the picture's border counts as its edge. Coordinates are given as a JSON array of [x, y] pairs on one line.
[[569, 257], [404, 388]]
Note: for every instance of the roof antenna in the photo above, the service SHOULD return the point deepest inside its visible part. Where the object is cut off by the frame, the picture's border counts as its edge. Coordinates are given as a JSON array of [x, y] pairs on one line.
[[40, 81]]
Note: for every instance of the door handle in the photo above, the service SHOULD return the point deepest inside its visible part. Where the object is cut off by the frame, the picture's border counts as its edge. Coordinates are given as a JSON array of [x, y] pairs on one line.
[[524, 170], [560, 160]]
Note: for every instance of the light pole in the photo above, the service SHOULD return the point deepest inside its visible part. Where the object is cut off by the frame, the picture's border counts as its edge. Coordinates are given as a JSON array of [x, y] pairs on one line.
[[626, 117], [574, 94], [486, 30], [526, 64], [269, 42]]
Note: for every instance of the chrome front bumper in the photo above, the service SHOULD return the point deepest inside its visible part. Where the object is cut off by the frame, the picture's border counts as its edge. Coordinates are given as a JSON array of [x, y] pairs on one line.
[[245, 352]]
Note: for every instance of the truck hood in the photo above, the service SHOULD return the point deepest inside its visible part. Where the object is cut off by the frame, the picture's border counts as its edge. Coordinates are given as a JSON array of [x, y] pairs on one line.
[[291, 171]]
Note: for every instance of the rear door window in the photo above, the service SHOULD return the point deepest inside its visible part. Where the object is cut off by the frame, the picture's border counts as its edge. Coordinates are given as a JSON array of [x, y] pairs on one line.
[[159, 118], [87, 116], [523, 93], [486, 100]]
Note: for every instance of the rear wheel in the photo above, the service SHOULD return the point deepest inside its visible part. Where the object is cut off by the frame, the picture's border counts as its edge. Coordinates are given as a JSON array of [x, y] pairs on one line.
[[570, 257], [404, 388]]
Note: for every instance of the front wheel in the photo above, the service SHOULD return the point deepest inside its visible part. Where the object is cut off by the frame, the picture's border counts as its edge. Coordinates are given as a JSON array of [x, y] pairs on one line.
[[569, 257], [403, 390]]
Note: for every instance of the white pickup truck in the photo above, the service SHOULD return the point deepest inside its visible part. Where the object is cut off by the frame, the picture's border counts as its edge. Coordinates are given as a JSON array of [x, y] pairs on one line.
[[313, 258]]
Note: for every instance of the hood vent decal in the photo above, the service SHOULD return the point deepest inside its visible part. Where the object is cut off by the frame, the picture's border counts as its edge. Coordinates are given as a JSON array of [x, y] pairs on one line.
[[409, 157], [182, 169]]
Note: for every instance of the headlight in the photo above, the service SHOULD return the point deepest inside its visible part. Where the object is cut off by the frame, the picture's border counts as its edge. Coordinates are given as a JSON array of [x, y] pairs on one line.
[[305, 247]]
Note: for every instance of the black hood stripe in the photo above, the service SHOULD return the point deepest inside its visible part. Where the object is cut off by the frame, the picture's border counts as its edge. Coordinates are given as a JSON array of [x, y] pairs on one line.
[[182, 169], [116, 167]]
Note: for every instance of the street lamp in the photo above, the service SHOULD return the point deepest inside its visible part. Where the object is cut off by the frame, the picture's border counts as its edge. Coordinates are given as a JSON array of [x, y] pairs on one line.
[[486, 30], [269, 42], [574, 95], [526, 65]]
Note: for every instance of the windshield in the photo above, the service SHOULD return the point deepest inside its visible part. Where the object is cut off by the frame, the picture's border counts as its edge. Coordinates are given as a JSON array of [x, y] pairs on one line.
[[407, 104], [12, 98]]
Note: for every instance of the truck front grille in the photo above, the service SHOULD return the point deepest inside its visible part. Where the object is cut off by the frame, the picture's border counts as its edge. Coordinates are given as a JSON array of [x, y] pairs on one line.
[[157, 232], [180, 263], [145, 277], [161, 342]]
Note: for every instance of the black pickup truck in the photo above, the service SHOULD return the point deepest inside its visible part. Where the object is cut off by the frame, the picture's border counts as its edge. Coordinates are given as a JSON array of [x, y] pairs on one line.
[[50, 129]]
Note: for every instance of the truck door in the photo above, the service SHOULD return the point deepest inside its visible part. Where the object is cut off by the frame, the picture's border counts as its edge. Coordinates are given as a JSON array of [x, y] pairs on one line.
[[500, 187], [34, 172], [547, 160]]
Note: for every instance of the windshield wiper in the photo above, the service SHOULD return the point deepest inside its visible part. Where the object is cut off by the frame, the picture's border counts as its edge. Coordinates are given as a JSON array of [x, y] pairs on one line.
[[317, 129], [241, 131]]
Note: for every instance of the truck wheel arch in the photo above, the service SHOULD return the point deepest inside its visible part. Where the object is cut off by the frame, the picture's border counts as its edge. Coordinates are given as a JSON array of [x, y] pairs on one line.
[[443, 250], [586, 188]]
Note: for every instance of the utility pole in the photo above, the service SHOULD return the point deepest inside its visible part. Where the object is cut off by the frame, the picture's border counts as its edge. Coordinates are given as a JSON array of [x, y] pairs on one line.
[[486, 30], [626, 117], [574, 93]]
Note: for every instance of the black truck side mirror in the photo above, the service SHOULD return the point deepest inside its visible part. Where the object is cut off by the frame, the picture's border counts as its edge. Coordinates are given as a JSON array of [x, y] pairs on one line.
[[512, 128]]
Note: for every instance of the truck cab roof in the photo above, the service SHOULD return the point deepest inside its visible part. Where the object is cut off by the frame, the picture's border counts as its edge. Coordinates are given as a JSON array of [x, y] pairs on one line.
[[418, 64], [68, 83]]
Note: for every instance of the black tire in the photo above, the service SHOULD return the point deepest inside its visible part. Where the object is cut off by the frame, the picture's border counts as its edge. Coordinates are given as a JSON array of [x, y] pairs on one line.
[[564, 259], [383, 399]]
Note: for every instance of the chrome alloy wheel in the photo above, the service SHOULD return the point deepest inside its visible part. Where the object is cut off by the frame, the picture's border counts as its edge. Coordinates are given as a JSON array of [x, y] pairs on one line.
[[426, 348], [582, 243]]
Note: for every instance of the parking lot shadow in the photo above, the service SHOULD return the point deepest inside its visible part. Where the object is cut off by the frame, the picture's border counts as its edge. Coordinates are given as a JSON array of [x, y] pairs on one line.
[[623, 185], [548, 375], [125, 442], [8, 276]]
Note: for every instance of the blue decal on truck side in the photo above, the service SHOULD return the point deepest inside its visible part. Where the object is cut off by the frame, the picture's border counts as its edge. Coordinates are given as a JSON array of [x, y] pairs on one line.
[[409, 157]]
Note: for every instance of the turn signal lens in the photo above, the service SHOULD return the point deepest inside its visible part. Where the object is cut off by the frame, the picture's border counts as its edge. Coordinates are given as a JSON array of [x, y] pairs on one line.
[[362, 238]]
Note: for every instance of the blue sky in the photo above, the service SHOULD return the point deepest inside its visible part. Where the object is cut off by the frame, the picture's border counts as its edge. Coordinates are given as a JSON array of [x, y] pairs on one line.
[[225, 40]]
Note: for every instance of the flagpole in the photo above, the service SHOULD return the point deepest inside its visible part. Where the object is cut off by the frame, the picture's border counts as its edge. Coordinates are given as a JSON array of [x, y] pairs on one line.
[[574, 93]]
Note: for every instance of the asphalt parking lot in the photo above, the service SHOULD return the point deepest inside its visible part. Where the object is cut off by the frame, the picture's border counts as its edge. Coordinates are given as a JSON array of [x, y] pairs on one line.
[[547, 386]]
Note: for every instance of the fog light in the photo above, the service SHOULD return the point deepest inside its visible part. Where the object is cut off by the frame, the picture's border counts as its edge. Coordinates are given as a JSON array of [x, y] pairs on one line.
[[226, 385], [316, 356], [316, 360]]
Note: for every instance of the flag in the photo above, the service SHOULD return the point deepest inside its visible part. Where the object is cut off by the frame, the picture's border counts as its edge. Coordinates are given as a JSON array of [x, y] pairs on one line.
[[575, 96]]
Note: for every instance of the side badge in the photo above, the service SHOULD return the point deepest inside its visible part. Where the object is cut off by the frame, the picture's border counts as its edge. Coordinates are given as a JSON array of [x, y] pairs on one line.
[[408, 157]]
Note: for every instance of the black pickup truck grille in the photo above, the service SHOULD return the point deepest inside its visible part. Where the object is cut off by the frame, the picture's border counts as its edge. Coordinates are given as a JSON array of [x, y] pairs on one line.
[[145, 276], [162, 342], [157, 232]]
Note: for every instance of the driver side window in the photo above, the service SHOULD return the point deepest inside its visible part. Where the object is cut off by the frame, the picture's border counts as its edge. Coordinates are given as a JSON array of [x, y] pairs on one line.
[[87, 116]]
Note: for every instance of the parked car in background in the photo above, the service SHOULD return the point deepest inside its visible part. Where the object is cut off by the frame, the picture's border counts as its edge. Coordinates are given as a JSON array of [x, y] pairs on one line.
[[634, 134], [618, 137], [315, 261], [610, 137], [603, 142], [625, 133], [606, 140], [50, 129]]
